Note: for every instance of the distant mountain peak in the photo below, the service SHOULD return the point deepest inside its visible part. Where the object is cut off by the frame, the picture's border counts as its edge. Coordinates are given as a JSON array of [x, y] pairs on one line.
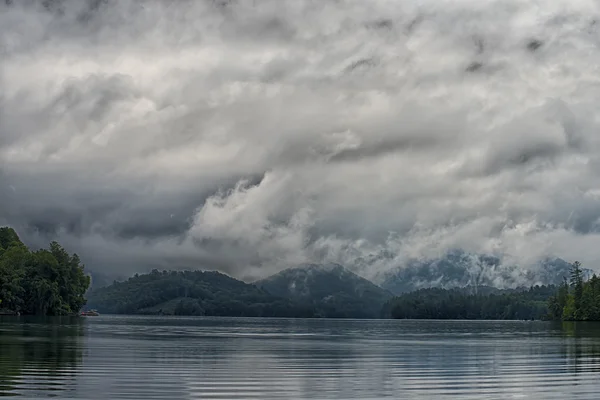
[[335, 289]]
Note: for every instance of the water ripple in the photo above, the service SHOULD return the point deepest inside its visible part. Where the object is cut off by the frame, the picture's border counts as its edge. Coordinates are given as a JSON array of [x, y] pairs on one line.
[[223, 358]]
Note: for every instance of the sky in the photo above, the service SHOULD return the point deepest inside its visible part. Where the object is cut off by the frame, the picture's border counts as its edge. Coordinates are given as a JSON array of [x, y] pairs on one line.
[[251, 136]]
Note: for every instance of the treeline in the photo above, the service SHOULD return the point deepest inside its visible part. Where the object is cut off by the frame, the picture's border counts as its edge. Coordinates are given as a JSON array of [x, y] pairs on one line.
[[435, 303], [576, 299], [44, 282], [192, 293]]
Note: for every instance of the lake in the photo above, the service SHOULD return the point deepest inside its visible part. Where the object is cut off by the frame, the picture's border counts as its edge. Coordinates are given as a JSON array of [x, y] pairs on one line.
[[125, 357]]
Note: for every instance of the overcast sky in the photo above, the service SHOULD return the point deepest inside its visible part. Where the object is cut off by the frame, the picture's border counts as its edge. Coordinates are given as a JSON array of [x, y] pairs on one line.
[[249, 136]]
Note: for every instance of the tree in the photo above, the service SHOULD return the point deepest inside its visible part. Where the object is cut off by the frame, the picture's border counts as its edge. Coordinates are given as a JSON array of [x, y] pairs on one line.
[[557, 303], [577, 286], [44, 282], [577, 301]]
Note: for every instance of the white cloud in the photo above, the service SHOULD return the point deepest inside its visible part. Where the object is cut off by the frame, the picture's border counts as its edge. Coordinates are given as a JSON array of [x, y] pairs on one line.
[[249, 138]]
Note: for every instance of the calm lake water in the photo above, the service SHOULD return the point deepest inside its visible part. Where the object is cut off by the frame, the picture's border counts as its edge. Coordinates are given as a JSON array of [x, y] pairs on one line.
[[110, 357]]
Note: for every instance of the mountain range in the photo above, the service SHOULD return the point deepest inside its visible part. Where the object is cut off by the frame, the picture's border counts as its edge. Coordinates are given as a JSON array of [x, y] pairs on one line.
[[314, 290], [190, 293], [329, 291]]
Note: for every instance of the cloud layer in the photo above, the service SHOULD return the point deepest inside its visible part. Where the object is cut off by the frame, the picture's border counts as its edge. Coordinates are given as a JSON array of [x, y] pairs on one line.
[[251, 136]]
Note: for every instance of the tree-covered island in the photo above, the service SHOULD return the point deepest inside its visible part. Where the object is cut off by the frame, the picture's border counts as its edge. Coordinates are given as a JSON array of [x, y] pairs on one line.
[[43, 282]]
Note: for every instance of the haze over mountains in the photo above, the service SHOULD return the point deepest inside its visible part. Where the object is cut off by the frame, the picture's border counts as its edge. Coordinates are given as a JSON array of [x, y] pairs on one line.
[[457, 269], [460, 269]]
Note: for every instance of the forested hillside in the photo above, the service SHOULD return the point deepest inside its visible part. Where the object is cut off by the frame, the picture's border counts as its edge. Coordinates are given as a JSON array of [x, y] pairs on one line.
[[332, 290], [44, 282], [191, 293], [319, 292], [463, 304]]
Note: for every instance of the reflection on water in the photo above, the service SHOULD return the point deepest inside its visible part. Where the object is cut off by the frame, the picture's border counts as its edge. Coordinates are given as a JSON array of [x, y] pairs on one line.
[[41, 354], [582, 347], [187, 358]]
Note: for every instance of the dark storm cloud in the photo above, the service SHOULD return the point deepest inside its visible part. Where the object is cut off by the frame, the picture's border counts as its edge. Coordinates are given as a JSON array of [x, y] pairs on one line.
[[248, 136]]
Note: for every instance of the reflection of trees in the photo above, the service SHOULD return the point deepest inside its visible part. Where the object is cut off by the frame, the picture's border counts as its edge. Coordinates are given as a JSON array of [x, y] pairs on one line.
[[39, 353], [581, 347]]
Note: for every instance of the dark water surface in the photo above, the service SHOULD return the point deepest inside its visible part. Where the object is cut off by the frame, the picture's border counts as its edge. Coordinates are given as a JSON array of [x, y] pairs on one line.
[[111, 357]]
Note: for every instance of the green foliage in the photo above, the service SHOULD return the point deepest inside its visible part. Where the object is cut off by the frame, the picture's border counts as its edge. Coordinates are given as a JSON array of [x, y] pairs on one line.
[[577, 285], [438, 303], [44, 282], [9, 238], [188, 306], [558, 302], [578, 300], [570, 310], [191, 293]]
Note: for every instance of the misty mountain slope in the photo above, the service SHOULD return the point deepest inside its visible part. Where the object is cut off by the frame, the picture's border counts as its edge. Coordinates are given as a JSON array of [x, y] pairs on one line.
[[461, 269], [190, 293], [332, 289], [99, 279]]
